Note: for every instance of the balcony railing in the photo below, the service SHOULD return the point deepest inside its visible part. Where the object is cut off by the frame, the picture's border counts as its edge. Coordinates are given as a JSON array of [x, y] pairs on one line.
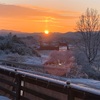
[[20, 84]]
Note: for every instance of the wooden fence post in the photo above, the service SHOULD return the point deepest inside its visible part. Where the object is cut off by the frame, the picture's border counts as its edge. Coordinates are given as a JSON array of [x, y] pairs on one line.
[[18, 86], [70, 95]]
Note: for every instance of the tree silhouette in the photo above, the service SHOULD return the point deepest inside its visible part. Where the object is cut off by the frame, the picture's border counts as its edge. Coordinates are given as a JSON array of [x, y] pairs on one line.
[[89, 27]]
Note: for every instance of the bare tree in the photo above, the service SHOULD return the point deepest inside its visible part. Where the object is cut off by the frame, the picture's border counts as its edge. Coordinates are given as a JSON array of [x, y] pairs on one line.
[[89, 27]]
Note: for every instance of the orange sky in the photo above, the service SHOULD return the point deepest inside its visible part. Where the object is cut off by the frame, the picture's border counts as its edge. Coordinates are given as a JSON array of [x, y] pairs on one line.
[[36, 19], [40, 15]]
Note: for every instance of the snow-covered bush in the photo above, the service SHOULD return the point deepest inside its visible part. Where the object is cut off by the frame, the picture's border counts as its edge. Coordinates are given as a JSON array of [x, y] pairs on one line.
[[91, 70], [2, 52], [14, 57], [76, 72], [63, 63], [15, 45], [60, 57]]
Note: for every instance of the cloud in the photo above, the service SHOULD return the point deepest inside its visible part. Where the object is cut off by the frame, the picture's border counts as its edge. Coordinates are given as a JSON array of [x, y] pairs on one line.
[[14, 11], [34, 19]]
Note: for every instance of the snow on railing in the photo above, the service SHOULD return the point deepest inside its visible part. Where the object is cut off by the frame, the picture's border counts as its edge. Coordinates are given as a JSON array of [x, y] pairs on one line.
[[71, 89]]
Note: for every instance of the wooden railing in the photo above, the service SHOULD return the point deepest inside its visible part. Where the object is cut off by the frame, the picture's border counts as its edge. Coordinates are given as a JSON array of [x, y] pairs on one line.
[[19, 84]]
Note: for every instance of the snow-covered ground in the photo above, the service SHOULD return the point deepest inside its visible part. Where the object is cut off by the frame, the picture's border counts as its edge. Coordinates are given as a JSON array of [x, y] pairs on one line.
[[26, 59], [40, 60], [4, 98]]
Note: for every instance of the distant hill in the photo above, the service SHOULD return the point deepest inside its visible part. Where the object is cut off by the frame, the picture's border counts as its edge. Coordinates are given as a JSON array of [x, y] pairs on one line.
[[69, 35], [72, 35], [18, 33], [5, 32]]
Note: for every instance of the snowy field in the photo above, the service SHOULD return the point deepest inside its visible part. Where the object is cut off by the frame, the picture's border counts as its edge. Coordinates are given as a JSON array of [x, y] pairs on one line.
[[27, 59]]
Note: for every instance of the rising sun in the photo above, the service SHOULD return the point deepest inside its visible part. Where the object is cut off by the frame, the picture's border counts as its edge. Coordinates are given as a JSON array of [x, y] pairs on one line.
[[46, 32]]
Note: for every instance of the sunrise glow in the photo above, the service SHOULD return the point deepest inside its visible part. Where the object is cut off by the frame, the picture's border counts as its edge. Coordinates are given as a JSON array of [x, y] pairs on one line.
[[35, 15], [46, 32]]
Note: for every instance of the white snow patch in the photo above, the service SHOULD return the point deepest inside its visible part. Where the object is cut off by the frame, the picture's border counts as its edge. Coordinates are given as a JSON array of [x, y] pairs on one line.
[[86, 83], [26, 59], [4, 98]]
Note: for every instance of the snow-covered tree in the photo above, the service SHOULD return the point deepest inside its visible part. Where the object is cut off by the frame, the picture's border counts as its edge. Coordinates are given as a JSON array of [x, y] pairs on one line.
[[60, 57], [89, 28]]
